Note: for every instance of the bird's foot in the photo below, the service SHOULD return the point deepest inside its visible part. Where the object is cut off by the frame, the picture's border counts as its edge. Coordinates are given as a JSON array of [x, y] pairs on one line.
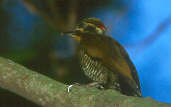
[[96, 85]]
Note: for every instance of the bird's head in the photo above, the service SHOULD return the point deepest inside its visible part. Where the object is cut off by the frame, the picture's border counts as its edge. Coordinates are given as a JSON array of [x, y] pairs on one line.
[[91, 26]]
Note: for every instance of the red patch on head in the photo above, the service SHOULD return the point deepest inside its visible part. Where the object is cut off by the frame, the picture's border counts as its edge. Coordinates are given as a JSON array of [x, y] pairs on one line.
[[102, 27]]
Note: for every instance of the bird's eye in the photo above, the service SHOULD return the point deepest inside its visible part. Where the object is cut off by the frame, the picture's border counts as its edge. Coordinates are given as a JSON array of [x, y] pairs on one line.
[[82, 25], [87, 26]]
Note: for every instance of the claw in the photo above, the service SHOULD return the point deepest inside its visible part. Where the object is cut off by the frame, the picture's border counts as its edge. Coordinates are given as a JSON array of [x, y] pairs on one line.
[[69, 88]]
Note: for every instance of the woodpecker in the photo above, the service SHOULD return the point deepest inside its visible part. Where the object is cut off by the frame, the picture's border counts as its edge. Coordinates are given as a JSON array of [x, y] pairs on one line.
[[103, 59]]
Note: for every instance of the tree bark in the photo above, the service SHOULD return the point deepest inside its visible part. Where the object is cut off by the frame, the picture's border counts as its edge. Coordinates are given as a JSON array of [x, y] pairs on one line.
[[47, 92]]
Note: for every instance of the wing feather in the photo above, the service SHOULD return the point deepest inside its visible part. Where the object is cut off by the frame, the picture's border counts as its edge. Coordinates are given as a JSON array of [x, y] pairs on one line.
[[112, 55]]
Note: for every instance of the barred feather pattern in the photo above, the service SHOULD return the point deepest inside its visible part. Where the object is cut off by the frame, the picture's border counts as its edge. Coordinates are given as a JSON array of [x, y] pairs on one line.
[[93, 68]]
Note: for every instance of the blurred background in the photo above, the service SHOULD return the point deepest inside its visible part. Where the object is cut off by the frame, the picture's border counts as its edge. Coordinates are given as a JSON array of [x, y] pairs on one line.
[[30, 35]]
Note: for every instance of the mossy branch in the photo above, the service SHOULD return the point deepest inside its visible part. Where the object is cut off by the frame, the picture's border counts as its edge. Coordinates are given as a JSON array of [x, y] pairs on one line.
[[50, 93]]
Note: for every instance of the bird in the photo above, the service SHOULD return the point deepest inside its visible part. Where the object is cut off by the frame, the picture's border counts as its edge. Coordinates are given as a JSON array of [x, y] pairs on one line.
[[103, 59]]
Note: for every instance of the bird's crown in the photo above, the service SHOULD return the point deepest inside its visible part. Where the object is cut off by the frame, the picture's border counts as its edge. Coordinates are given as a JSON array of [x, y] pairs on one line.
[[92, 25]]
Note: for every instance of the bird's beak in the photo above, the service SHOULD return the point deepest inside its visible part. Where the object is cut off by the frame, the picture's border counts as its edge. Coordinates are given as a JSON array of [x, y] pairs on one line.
[[67, 33], [72, 34]]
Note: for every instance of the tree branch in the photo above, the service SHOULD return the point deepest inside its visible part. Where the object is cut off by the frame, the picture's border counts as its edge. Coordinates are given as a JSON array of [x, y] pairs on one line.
[[50, 93], [153, 36]]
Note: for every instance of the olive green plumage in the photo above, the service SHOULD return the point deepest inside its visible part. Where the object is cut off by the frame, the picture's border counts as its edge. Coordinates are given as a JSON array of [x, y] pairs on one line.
[[103, 59]]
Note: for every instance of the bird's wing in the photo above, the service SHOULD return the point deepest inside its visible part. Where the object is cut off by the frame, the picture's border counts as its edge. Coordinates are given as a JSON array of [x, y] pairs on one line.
[[112, 55], [126, 59]]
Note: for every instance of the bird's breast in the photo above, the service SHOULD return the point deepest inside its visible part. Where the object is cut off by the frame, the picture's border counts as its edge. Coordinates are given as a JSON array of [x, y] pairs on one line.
[[93, 68]]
